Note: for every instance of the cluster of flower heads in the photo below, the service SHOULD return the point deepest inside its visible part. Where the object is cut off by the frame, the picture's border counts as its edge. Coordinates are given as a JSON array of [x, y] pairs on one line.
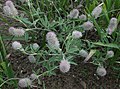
[[53, 42], [27, 82], [18, 46], [16, 31], [86, 25], [9, 9], [101, 71], [95, 13]]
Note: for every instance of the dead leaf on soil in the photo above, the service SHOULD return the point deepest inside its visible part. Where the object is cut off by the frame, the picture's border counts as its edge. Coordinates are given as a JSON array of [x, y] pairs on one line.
[[83, 84]]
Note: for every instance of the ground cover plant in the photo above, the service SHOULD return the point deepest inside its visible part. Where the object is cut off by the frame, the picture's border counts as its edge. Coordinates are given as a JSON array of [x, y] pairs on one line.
[[44, 41]]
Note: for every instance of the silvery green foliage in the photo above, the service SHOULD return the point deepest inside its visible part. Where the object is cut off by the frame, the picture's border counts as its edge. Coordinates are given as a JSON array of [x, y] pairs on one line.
[[97, 11], [64, 66], [52, 40], [33, 77], [16, 45], [83, 53], [32, 59], [87, 25], [36, 46], [112, 26], [16, 32], [82, 17], [101, 71], [10, 9], [76, 34], [110, 54], [25, 82], [74, 13]]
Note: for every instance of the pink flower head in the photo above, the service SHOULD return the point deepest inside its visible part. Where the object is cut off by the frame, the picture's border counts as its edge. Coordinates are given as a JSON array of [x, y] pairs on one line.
[[64, 66], [9, 3], [16, 32], [74, 13], [87, 25], [112, 26], [52, 40], [76, 34], [97, 11]]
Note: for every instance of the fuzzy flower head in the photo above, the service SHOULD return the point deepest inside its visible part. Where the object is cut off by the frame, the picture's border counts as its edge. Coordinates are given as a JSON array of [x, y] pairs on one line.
[[33, 77], [87, 25], [64, 66], [11, 30], [7, 10], [16, 45], [82, 17], [36, 46], [52, 40], [76, 34], [16, 32], [96, 11], [12, 11], [10, 4], [32, 59], [112, 26], [74, 13], [110, 54], [83, 53], [25, 82], [101, 71]]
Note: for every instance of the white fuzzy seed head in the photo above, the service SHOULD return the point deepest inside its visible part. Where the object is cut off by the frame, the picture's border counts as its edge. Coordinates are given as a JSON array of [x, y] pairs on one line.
[[96, 11], [16, 32], [25, 82], [32, 59], [7, 11], [110, 54], [112, 26], [13, 10], [82, 17], [19, 32], [11, 30], [52, 40], [87, 25], [76, 34], [10, 4], [16, 45], [101, 71], [33, 77], [74, 13], [36, 46], [64, 66], [83, 53]]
